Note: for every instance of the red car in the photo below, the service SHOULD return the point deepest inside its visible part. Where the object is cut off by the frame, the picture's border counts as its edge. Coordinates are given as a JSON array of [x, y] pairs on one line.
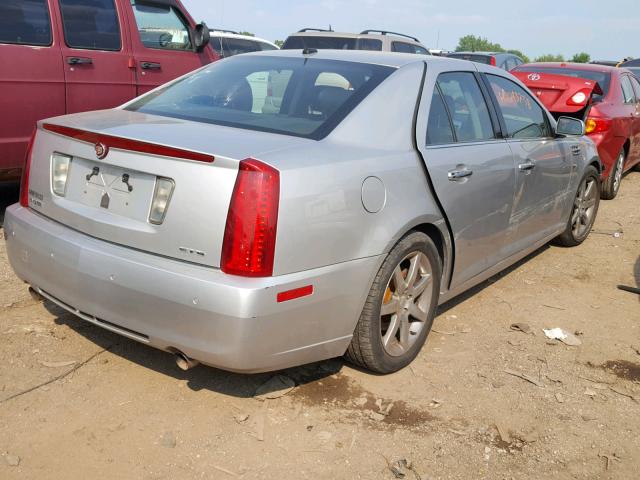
[[67, 56], [606, 98]]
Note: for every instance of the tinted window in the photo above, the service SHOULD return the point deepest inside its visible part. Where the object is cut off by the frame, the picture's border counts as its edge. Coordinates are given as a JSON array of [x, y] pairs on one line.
[[636, 85], [293, 96], [510, 64], [523, 117], [25, 22], [267, 46], [627, 90], [603, 78], [235, 46], [321, 43], [469, 112], [90, 25], [370, 44], [439, 129], [402, 47], [161, 27], [486, 59]]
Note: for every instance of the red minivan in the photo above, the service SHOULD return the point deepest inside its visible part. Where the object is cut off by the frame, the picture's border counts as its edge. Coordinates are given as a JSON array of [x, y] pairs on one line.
[[66, 56]]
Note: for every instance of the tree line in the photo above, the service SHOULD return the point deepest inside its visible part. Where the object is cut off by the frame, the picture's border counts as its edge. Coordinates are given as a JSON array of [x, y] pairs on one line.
[[471, 43]]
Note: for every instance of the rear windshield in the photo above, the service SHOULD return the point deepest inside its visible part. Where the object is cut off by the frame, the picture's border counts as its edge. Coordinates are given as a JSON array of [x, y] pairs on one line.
[[292, 96], [474, 58], [603, 78], [331, 43]]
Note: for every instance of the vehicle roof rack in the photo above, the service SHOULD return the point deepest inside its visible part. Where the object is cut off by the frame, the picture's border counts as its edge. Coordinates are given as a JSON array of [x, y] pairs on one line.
[[315, 30], [223, 30], [386, 32]]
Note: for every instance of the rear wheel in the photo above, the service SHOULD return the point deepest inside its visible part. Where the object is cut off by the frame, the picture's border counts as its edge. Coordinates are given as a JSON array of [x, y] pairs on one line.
[[400, 308], [584, 211], [611, 185]]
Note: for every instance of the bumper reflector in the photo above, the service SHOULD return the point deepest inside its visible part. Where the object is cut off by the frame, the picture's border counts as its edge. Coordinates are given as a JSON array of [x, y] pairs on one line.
[[295, 293]]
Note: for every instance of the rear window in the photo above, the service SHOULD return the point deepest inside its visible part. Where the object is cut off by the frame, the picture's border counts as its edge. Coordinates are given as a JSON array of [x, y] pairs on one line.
[[292, 96], [486, 59], [25, 22], [236, 46], [321, 43], [603, 78]]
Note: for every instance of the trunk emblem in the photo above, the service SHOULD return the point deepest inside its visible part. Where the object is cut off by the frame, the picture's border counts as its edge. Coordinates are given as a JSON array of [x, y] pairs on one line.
[[101, 150], [534, 77], [104, 201]]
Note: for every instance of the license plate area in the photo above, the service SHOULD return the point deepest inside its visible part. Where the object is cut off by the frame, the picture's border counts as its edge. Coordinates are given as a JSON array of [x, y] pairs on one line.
[[120, 191]]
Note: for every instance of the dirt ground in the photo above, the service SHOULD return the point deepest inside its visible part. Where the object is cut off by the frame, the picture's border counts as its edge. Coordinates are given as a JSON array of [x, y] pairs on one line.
[[124, 410]]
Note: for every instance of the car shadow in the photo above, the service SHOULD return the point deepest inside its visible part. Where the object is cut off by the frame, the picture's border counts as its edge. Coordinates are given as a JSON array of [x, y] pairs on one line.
[[9, 194], [488, 282], [199, 378]]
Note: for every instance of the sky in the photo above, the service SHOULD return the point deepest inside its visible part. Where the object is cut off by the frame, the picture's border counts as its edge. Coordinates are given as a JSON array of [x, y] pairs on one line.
[[606, 30]]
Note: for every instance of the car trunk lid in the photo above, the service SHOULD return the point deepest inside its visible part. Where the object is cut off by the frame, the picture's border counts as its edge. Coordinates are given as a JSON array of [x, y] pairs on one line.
[[110, 196]]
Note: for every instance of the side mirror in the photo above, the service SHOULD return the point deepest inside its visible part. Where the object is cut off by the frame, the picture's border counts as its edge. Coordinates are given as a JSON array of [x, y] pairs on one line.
[[568, 126], [201, 36]]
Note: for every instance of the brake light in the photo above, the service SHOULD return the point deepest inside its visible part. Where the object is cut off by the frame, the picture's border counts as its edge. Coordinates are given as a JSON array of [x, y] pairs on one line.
[[26, 170], [597, 125], [580, 98], [493, 61], [250, 233]]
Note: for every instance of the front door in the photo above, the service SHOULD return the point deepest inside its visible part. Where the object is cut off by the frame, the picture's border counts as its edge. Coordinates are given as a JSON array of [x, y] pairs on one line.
[[162, 44], [31, 78], [631, 93], [544, 165], [471, 170], [96, 55]]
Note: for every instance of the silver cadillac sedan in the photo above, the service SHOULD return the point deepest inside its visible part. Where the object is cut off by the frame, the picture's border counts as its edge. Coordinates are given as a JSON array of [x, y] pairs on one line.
[[280, 208]]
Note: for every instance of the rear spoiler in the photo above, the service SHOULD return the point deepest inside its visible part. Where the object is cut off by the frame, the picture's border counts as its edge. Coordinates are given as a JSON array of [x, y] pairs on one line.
[[560, 93]]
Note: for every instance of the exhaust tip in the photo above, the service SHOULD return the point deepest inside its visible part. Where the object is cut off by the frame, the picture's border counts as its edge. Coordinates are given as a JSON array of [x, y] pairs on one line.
[[185, 363]]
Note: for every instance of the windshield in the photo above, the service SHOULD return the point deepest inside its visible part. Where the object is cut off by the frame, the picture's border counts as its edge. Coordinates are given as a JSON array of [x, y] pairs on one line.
[[292, 96], [603, 78]]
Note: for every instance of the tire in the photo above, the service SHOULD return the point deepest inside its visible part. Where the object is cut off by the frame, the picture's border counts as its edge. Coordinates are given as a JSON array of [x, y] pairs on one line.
[[611, 186], [584, 210], [387, 343]]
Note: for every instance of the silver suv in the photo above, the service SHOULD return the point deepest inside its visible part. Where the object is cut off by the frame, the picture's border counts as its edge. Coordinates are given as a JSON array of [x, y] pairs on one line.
[[377, 40]]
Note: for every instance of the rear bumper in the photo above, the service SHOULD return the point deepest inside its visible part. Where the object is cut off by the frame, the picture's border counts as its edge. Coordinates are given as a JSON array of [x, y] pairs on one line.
[[224, 321]]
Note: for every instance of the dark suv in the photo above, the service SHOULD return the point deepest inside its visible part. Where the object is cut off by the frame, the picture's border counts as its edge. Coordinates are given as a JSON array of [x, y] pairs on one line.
[[506, 61]]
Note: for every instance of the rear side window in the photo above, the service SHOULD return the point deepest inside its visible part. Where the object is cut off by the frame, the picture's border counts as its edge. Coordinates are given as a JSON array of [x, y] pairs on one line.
[[321, 43], [161, 26], [524, 118], [402, 47], [25, 22], [466, 104], [439, 130], [292, 96], [627, 90], [235, 46], [371, 44], [90, 25], [266, 46]]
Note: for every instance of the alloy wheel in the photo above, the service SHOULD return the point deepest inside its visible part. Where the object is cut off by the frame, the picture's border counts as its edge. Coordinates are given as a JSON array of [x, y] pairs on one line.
[[584, 207], [406, 303], [618, 173]]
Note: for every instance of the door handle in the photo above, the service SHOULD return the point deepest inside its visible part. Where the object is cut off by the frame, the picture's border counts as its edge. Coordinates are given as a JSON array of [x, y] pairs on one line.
[[150, 66], [527, 166], [454, 175], [79, 61]]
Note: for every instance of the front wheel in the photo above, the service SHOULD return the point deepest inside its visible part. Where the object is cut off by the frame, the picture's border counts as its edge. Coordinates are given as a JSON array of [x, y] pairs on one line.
[[611, 185], [400, 308], [584, 210]]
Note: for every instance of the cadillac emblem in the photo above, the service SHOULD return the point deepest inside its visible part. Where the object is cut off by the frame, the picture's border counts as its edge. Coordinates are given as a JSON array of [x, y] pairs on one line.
[[101, 150]]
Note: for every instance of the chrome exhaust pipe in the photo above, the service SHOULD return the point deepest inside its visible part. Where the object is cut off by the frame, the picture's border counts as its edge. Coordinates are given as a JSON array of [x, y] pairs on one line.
[[185, 363], [35, 295]]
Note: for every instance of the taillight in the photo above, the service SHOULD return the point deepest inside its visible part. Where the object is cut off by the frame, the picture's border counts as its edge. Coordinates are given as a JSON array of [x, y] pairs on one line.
[[26, 168], [493, 61], [250, 233], [579, 98], [597, 125]]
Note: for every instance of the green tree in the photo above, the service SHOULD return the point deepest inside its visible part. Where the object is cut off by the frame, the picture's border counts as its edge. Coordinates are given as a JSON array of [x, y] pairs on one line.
[[581, 57], [471, 43], [279, 43], [248, 34], [549, 57]]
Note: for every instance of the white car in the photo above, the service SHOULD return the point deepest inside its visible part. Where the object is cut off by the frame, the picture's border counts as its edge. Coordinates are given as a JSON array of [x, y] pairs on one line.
[[227, 43]]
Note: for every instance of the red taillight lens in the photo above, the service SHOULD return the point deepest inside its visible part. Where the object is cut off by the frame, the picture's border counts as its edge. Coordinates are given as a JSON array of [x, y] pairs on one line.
[[493, 61], [26, 169], [250, 233], [597, 125]]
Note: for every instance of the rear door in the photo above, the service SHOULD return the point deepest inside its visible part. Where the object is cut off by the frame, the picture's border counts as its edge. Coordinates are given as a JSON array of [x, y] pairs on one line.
[[471, 170], [31, 77], [632, 110], [161, 35], [543, 164], [96, 54]]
